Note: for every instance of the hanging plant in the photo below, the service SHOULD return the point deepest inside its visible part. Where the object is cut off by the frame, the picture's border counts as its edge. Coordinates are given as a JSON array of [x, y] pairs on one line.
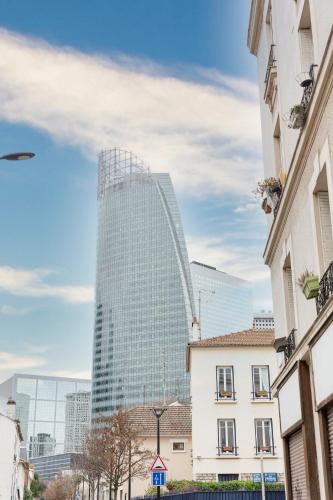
[[309, 283], [297, 116], [270, 185]]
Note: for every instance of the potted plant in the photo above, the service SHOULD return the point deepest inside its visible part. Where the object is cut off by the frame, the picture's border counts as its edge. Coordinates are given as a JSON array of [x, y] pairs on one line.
[[226, 394], [264, 449], [269, 186], [227, 449], [309, 283], [261, 394], [297, 116], [266, 206]]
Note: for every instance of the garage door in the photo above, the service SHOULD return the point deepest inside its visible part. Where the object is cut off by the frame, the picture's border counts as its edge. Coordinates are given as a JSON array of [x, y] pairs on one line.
[[297, 466]]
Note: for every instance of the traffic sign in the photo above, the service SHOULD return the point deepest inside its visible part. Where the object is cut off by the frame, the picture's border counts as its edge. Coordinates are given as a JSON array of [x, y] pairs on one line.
[[158, 478], [158, 464]]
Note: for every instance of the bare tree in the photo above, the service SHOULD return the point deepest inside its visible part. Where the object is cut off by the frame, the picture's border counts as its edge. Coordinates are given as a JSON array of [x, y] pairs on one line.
[[62, 488], [114, 451]]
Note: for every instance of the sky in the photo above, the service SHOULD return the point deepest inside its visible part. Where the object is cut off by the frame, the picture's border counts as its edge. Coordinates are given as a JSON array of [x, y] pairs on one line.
[[170, 80]]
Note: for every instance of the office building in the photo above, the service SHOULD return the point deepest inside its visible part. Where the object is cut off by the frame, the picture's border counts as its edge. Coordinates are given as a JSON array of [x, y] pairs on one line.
[[235, 419], [144, 299], [51, 466], [41, 409], [293, 43], [223, 302], [77, 420], [263, 320]]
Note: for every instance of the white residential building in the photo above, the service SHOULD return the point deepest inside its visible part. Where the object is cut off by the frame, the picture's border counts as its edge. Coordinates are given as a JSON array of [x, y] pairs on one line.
[[234, 417], [293, 43], [10, 468]]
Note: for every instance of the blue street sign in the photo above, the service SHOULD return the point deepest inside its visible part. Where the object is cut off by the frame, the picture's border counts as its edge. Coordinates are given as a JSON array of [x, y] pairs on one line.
[[158, 478], [269, 477]]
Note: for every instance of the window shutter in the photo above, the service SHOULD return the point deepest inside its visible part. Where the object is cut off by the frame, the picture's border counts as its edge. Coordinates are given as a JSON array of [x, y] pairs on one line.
[[290, 298], [306, 48], [325, 227]]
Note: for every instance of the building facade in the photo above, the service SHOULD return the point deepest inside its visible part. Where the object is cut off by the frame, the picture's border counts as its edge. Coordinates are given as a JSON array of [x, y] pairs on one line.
[[263, 320], [293, 43], [77, 420], [11, 485], [234, 417], [51, 466], [144, 298], [223, 302], [41, 410]]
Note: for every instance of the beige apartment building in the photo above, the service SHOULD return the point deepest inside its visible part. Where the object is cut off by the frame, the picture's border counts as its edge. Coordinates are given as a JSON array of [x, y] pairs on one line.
[[293, 43]]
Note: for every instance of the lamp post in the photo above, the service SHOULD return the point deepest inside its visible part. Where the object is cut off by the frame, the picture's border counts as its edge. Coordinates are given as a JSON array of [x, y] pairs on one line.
[[18, 156], [158, 412]]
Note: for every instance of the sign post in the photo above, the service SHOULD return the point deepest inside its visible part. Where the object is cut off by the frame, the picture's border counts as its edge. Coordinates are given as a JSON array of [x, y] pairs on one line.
[[158, 464]]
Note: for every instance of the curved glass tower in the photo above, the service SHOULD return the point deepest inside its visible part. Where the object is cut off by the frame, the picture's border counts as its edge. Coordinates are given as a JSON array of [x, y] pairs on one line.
[[144, 298]]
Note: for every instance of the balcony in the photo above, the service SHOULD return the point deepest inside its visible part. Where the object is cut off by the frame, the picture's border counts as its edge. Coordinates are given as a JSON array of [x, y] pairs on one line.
[[225, 396], [307, 84], [271, 62], [227, 450], [287, 345], [325, 288]]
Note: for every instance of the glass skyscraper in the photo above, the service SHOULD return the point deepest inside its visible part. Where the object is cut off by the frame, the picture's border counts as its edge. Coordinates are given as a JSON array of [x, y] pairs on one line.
[[223, 302], [144, 298], [41, 409]]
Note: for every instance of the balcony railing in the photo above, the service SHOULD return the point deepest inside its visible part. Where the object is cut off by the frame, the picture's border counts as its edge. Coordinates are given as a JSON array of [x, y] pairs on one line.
[[261, 395], [227, 450], [225, 396], [271, 62], [325, 288], [269, 450], [287, 345], [308, 85]]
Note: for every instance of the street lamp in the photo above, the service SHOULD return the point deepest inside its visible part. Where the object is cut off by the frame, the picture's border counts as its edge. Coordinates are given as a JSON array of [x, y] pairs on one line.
[[17, 156], [158, 412]]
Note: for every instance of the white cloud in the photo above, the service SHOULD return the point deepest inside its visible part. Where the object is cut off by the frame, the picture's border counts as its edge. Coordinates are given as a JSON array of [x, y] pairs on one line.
[[204, 131], [242, 261], [84, 374], [15, 362], [30, 283]]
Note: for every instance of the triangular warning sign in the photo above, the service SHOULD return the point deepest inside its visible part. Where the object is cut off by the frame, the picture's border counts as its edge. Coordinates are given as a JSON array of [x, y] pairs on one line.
[[158, 464]]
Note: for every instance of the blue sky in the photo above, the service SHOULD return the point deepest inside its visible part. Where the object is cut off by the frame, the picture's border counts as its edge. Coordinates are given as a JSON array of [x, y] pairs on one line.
[[171, 80]]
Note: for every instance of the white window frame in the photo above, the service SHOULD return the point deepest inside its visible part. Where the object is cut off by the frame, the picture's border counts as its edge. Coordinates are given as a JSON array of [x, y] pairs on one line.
[[261, 368], [226, 423], [270, 445], [178, 441], [219, 393]]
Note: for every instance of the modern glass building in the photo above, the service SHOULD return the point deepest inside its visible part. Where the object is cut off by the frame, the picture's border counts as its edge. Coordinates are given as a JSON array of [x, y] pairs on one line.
[[144, 298], [223, 302], [41, 408]]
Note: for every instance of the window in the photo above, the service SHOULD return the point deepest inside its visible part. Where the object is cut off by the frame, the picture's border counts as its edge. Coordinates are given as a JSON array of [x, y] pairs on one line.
[[227, 437], [225, 382], [227, 477], [178, 446], [260, 382], [264, 436], [305, 38], [277, 148]]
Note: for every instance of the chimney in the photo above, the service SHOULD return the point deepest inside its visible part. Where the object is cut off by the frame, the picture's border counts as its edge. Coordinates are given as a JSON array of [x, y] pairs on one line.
[[11, 409]]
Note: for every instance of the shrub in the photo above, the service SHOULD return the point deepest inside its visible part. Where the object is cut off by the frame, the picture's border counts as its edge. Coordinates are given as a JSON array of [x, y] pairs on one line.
[[185, 485]]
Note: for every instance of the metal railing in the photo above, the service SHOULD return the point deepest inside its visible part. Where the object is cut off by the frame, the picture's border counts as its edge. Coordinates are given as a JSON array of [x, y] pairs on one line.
[[325, 288], [290, 345], [227, 450], [269, 450], [308, 85], [225, 396], [258, 395], [271, 62]]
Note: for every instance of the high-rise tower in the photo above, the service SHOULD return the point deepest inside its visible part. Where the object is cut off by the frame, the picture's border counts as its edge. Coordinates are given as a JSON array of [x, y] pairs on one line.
[[144, 298]]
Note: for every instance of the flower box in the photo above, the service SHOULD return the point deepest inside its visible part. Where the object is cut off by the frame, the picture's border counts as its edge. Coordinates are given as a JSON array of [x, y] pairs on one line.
[[226, 394], [264, 449], [311, 287], [261, 394], [227, 449]]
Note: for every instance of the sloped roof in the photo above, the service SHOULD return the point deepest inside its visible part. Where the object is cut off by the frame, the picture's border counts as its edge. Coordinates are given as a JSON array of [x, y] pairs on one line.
[[175, 421], [252, 337]]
